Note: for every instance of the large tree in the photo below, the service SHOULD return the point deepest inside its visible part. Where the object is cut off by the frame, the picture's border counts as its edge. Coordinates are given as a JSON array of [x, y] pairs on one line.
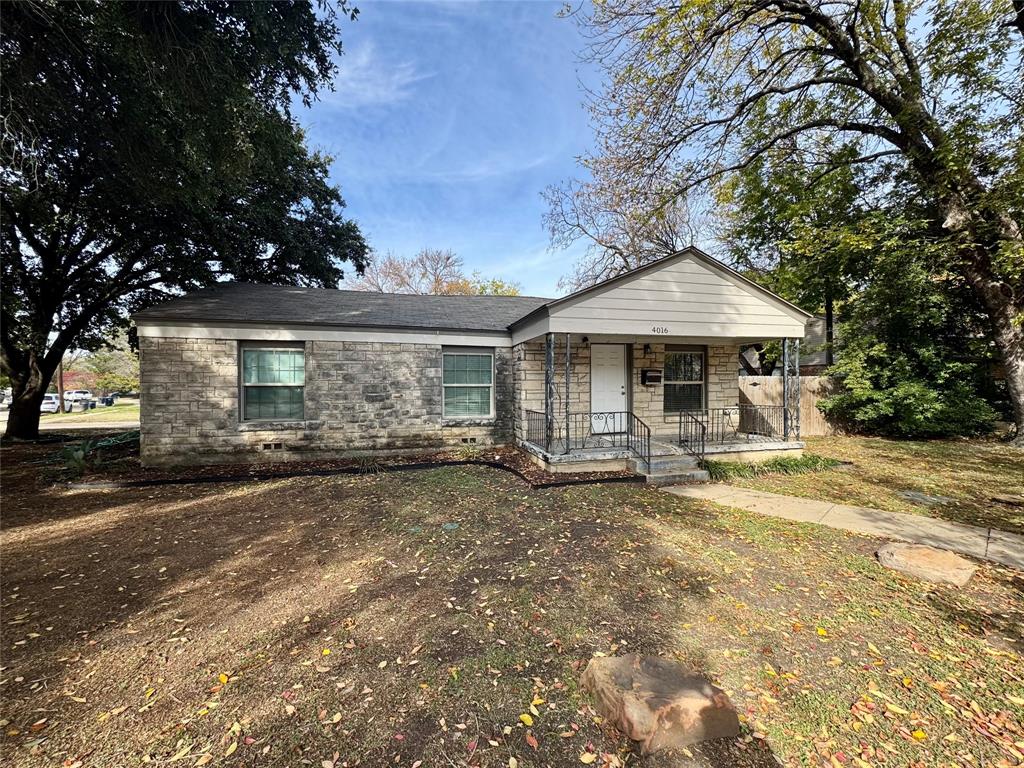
[[620, 231], [431, 271], [697, 91], [150, 148]]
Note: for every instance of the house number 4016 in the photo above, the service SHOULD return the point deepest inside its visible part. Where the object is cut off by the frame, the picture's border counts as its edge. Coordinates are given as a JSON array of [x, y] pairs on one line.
[[659, 329]]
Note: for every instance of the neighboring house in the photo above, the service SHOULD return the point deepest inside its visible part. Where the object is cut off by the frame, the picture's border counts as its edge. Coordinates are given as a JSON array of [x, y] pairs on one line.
[[813, 355], [813, 360], [257, 372]]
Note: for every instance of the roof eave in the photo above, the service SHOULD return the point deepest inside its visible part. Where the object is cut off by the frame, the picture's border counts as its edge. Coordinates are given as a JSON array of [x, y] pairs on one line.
[[361, 326]]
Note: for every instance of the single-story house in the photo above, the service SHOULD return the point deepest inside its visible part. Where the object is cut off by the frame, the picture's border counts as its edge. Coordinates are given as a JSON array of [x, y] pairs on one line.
[[637, 369]]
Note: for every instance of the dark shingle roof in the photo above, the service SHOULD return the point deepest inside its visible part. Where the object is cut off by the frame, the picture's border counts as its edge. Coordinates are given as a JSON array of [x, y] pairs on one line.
[[248, 303]]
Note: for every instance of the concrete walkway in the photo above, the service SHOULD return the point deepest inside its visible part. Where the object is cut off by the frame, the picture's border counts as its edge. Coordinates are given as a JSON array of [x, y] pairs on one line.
[[985, 543]]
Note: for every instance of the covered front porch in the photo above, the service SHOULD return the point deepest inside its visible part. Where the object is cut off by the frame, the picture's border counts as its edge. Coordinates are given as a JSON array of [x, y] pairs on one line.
[[604, 402], [647, 364]]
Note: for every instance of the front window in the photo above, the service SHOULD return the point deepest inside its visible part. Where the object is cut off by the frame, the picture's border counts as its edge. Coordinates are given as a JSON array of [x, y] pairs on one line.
[[273, 382], [467, 378], [684, 381]]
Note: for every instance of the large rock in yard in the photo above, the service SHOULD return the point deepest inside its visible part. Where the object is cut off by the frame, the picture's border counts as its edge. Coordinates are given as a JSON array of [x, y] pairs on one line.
[[659, 703], [927, 563]]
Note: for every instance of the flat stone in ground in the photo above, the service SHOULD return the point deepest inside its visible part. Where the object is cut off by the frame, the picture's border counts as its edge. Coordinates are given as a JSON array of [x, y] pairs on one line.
[[1013, 499], [927, 563], [658, 702], [924, 498]]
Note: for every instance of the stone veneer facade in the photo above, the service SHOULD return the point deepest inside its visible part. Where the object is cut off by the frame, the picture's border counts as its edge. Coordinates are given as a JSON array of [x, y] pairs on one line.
[[359, 397], [365, 397]]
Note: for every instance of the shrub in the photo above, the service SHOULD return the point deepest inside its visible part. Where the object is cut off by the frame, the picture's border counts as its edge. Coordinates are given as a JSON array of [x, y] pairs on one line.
[[782, 465], [890, 399], [369, 465], [467, 453], [78, 457]]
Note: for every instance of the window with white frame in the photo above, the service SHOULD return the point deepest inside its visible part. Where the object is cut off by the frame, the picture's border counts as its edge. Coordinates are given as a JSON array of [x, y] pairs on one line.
[[273, 383], [467, 378], [683, 380]]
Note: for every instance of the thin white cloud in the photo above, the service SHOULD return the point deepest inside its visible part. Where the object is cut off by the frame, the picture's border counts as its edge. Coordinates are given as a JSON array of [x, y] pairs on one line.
[[367, 79], [486, 168]]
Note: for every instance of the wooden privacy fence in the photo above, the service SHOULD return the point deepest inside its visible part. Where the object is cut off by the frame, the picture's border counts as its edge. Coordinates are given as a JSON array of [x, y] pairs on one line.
[[767, 390]]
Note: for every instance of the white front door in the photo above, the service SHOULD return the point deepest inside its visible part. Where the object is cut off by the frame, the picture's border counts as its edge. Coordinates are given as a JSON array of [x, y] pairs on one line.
[[608, 388]]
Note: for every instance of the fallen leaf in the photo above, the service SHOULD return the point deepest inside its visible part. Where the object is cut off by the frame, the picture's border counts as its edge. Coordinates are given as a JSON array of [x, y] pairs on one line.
[[526, 719], [587, 758]]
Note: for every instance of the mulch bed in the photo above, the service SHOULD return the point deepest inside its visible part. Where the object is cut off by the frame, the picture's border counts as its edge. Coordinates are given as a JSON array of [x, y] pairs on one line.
[[121, 467]]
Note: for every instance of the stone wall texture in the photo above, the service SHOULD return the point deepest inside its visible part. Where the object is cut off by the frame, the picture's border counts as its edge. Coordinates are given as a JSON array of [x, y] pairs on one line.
[[359, 397], [374, 396]]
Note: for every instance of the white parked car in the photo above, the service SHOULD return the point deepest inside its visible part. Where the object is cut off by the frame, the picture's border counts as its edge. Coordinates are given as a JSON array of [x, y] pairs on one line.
[[50, 404], [74, 395]]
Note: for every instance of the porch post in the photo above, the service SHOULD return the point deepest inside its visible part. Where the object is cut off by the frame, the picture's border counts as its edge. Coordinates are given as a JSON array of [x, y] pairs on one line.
[[785, 389], [568, 359], [549, 390], [797, 386]]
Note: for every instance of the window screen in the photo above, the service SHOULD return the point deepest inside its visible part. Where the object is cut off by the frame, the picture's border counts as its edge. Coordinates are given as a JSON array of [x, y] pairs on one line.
[[273, 383], [467, 380]]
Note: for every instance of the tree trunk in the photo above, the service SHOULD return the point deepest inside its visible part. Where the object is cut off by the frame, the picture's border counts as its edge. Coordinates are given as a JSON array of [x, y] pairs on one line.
[[23, 419], [1010, 340], [29, 382], [988, 231], [60, 387]]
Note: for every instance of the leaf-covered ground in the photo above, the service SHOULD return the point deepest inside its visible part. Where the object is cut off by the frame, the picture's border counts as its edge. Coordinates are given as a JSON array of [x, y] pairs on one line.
[[970, 472], [443, 617]]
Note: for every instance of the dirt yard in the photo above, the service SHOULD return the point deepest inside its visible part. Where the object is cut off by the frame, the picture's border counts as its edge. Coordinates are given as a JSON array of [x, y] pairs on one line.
[[443, 617]]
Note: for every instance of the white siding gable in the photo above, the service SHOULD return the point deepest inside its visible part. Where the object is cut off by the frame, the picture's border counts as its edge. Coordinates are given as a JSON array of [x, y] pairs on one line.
[[683, 297]]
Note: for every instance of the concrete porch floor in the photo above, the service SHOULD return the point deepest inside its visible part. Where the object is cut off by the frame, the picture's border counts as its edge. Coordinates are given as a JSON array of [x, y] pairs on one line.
[[738, 450]]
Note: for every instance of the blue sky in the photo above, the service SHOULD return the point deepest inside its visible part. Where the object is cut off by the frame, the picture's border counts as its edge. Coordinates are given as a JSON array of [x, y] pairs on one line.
[[447, 122]]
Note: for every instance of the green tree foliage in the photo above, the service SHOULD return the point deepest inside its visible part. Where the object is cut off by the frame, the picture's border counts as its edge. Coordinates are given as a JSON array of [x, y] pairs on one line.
[[913, 352], [698, 91], [914, 345], [149, 148], [115, 367]]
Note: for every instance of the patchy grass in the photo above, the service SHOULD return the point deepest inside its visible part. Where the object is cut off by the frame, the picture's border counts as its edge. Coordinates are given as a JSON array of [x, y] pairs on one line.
[[970, 472], [98, 415], [722, 471], [403, 617]]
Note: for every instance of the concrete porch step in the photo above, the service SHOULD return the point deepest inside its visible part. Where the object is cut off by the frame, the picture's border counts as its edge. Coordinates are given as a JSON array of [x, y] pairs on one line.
[[670, 469], [673, 478], [661, 463]]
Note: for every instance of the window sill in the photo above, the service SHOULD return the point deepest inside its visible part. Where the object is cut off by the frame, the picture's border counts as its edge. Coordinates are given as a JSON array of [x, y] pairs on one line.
[[474, 421], [277, 426]]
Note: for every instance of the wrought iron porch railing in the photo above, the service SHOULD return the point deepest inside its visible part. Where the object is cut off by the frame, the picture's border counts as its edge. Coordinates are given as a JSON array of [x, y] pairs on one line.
[[593, 430], [692, 434], [736, 423], [609, 429], [537, 430]]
